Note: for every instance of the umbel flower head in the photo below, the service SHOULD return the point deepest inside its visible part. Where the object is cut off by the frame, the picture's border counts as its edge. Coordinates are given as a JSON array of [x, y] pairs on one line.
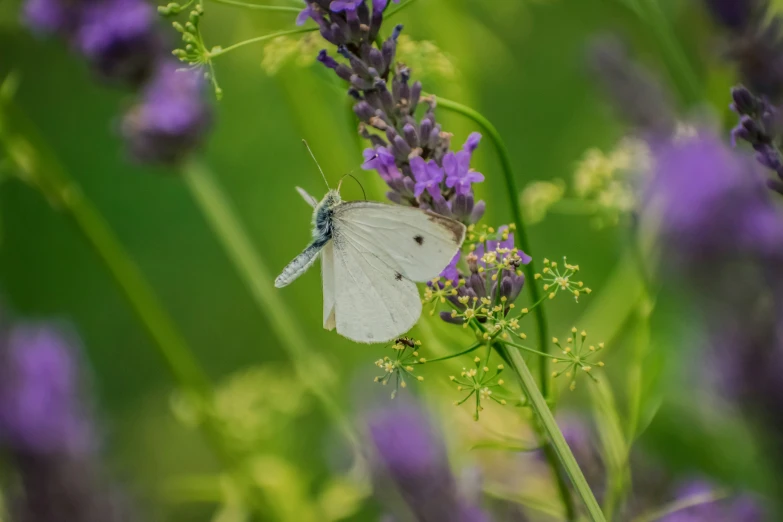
[[479, 382], [492, 282], [406, 356], [577, 357], [411, 155]]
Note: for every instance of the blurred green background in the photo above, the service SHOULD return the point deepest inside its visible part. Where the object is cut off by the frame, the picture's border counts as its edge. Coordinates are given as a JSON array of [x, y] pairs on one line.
[[520, 63]]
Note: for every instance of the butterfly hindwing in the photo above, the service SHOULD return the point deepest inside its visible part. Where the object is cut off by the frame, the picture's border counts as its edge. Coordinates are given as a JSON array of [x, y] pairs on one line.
[[327, 278], [418, 243], [374, 303]]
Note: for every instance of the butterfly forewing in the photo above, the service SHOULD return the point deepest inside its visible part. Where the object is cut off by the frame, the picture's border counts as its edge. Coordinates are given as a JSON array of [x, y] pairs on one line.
[[419, 244]]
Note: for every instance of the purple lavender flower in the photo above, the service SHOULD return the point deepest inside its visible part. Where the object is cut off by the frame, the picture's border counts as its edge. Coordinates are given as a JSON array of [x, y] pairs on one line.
[[428, 177], [411, 456], [119, 38], [409, 153], [40, 404], [743, 507], [457, 167], [760, 126], [172, 117], [711, 202]]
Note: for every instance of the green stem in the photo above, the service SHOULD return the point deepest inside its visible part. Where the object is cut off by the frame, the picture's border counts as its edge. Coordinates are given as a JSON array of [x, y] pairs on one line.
[[516, 213], [559, 444], [446, 357], [678, 62], [531, 350], [685, 503], [219, 212], [264, 38], [222, 51], [258, 7], [46, 172]]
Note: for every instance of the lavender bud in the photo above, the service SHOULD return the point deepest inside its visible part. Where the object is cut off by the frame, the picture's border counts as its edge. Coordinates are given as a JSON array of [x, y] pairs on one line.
[[364, 111], [401, 148], [386, 97], [414, 97], [744, 102], [376, 60], [409, 131], [358, 66]]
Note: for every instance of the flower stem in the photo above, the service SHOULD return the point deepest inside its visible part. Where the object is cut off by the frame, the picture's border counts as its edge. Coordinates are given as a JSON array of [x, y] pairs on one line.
[[258, 7], [217, 209], [516, 213], [42, 169], [221, 51], [559, 444]]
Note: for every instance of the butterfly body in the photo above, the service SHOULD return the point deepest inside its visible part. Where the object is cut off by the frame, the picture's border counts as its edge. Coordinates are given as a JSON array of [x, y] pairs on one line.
[[372, 254]]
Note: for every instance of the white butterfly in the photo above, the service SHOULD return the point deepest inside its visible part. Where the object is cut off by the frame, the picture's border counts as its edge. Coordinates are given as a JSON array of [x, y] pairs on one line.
[[371, 256]]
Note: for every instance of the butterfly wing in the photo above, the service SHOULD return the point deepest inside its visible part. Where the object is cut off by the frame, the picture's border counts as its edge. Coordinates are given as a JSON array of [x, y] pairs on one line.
[[418, 243], [373, 303], [327, 278], [378, 252]]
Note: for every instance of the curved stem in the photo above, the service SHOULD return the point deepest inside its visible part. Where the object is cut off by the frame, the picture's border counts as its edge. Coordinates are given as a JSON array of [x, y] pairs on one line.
[[558, 442], [264, 38], [516, 213], [272, 36], [258, 7], [682, 504], [446, 357], [217, 209]]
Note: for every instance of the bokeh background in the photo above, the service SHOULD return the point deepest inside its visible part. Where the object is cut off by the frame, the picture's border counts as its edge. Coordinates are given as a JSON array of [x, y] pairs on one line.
[[520, 63]]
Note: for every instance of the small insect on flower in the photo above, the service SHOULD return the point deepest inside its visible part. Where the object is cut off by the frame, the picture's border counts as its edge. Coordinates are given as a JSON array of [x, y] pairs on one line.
[[556, 279], [577, 357], [479, 381], [406, 356]]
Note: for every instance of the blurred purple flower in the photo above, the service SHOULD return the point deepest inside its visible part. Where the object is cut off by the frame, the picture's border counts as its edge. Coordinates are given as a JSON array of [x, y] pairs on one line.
[[755, 43], [739, 508], [735, 14], [51, 16], [411, 455], [40, 404], [345, 5], [171, 118], [119, 38], [637, 95], [711, 202]]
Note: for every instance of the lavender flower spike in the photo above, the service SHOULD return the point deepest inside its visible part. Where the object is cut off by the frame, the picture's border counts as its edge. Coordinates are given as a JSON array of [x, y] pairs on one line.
[[40, 408], [411, 456], [428, 177], [171, 118], [119, 38]]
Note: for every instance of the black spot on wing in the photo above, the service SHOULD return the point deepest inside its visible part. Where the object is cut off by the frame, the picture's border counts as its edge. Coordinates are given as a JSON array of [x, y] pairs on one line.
[[419, 239], [398, 276]]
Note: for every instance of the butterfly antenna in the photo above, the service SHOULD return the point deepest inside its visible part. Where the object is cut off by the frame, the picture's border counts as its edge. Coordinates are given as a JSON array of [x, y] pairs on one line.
[[316, 162], [364, 194]]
